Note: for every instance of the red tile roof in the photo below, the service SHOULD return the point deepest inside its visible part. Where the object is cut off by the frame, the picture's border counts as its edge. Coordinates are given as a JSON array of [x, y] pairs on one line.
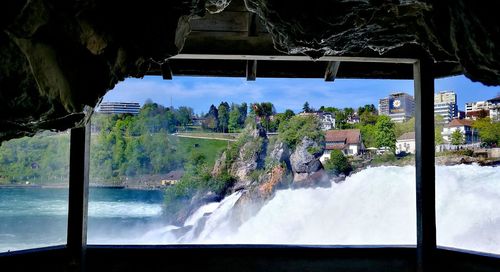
[[349, 136], [460, 123]]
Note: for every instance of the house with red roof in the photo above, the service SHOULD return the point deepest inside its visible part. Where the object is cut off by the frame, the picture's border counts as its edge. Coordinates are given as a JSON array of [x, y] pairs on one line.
[[346, 140], [471, 135]]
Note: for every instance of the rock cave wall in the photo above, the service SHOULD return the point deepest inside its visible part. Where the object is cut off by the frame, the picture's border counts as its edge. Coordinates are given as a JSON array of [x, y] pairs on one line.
[[58, 56]]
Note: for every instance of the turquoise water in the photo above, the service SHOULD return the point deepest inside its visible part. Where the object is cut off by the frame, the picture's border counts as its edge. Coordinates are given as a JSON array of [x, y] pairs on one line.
[[37, 217]]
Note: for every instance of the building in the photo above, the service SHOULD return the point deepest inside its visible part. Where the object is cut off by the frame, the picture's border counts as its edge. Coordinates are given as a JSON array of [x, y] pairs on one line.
[[478, 109], [471, 135], [346, 140], [406, 143], [353, 119], [198, 121], [400, 107], [489, 108], [327, 119], [119, 108], [172, 178], [495, 108], [445, 105]]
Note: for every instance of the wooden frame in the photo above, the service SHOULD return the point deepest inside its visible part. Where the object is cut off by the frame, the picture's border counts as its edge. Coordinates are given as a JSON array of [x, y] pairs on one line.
[[425, 176]]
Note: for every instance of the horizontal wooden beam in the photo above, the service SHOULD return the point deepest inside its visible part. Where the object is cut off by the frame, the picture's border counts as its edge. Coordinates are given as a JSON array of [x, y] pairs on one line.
[[331, 70], [292, 58]]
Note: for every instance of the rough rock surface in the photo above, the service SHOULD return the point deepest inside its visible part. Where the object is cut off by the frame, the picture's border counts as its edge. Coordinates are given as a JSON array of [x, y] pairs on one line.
[[280, 153], [302, 161], [462, 32], [257, 194], [251, 157], [58, 56]]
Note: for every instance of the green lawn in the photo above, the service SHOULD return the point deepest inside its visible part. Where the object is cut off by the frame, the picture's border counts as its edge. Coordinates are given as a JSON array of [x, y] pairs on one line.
[[210, 148]]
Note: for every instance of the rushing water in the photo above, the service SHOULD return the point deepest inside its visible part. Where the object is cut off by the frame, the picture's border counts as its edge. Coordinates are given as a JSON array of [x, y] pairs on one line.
[[373, 207]]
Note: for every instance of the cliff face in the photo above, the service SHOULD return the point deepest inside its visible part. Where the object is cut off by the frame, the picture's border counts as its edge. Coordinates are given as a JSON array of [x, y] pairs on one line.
[[260, 168], [306, 167]]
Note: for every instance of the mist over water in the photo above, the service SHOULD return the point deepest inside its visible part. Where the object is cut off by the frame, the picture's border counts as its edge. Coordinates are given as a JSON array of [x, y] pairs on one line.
[[373, 207]]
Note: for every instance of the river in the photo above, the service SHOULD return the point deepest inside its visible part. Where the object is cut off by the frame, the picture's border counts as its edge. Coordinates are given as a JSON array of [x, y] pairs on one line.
[[373, 207]]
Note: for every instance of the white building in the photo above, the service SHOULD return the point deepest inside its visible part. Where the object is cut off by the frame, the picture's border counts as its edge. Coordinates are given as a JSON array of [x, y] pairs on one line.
[[470, 134], [495, 109], [445, 105], [400, 107], [327, 119], [347, 140], [406, 143], [119, 108], [489, 108]]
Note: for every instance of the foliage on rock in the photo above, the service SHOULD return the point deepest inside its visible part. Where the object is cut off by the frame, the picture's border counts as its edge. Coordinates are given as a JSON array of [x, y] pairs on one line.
[[294, 130]]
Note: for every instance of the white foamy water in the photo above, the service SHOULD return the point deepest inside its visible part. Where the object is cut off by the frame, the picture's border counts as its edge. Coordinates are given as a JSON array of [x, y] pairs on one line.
[[123, 209], [373, 207]]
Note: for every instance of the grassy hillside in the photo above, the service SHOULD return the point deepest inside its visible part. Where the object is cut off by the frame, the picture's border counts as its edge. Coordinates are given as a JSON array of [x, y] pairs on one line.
[[208, 148]]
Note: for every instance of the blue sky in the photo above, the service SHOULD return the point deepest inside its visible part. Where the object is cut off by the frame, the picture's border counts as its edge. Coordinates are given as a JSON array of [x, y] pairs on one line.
[[200, 92]]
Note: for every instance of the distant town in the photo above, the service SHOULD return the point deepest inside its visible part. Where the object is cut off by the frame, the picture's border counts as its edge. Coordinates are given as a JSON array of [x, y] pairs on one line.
[[343, 126], [151, 142]]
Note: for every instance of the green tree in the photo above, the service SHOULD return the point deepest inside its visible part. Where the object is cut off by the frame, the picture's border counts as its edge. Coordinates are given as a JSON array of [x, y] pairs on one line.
[[288, 114], [368, 108], [337, 164], [438, 128], [212, 119], [306, 107], [184, 116], [489, 131], [234, 119], [243, 108], [223, 117], [264, 111], [369, 135], [294, 130], [404, 127], [368, 118], [457, 137], [385, 136]]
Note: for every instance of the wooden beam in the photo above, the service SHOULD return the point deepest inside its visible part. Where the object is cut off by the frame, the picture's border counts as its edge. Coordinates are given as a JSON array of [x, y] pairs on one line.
[[332, 67], [424, 163], [226, 21], [252, 25], [292, 58], [78, 196], [166, 71], [251, 70]]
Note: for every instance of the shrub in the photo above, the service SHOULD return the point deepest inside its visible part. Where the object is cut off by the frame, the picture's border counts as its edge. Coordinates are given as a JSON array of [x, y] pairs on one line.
[[386, 157], [314, 150], [337, 164], [294, 130]]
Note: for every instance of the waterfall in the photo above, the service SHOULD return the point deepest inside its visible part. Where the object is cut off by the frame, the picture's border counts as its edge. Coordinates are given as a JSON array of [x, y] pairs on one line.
[[373, 207]]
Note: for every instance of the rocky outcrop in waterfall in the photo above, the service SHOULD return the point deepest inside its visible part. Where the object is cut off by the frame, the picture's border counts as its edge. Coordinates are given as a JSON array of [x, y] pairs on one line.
[[261, 166], [306, 166]]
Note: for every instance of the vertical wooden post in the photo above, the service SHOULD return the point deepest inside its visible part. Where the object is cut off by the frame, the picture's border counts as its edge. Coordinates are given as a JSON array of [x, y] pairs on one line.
[[251, 70], [78, 196], [424, 162]]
